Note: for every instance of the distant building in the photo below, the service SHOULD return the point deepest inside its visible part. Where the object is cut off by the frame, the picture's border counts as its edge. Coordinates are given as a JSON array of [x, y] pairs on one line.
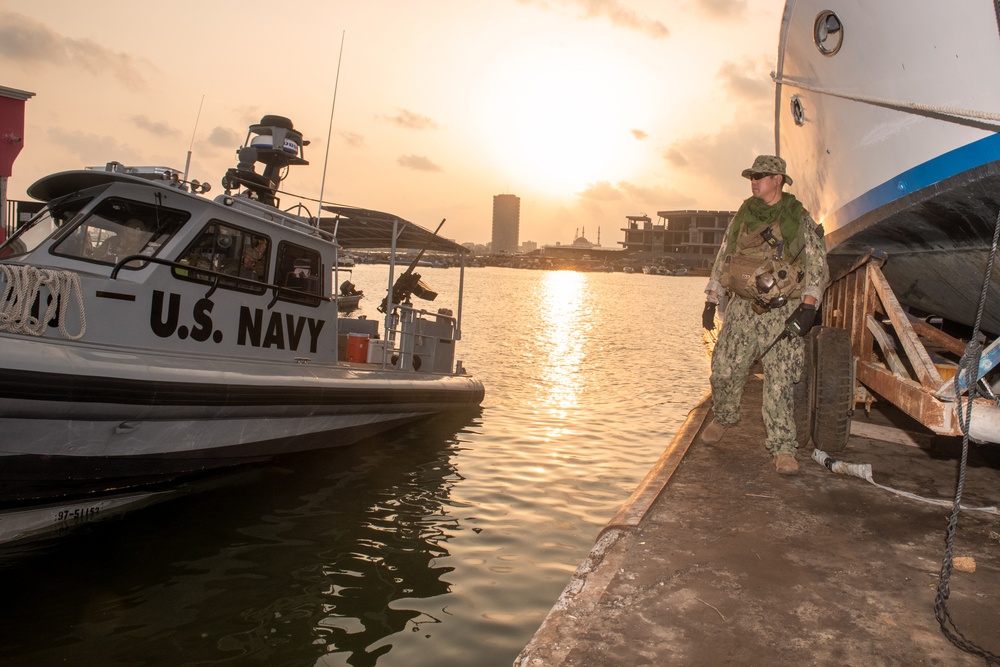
[[694, 237], [478, 248], [528, 246], [689, 238], [641, 236], [506, 223]]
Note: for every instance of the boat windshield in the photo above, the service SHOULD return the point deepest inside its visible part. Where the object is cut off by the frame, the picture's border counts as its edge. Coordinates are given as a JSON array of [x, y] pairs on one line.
[[117, 228], [53, 217]]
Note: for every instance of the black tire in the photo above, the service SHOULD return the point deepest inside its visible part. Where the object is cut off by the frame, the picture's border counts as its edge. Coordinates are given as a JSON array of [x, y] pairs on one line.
[[804, 391], [276, 121], [834, 393]]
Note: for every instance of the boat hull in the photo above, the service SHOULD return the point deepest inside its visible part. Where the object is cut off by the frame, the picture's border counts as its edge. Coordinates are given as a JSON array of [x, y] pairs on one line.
[[893, 147], [88, 420]]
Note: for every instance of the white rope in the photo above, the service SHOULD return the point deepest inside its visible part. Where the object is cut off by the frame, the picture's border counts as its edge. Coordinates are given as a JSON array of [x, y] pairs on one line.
[[23, 284], [954, 112], [864, 471]]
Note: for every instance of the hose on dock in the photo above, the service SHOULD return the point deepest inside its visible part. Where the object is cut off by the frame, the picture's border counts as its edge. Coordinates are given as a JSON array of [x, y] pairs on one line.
[[864, 471]]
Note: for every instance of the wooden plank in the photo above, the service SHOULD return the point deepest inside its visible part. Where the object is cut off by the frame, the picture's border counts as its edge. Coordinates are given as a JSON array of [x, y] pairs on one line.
[[938, 337], [915, 352], [888, 345], [896, 436], [909, 397]]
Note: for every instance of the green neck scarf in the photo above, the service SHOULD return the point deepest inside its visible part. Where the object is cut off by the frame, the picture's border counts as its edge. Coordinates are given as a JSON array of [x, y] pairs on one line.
[[753, 213]]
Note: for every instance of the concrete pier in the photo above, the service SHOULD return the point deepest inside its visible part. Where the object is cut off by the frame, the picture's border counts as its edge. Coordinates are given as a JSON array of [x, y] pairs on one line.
[[718, 560]]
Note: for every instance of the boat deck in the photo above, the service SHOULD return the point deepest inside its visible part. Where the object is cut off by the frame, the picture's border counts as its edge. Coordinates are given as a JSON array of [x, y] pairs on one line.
[[716, 559]]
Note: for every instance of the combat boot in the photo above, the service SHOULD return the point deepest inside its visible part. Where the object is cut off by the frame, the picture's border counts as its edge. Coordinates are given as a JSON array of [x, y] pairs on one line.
[[713, 432], [786, 464]]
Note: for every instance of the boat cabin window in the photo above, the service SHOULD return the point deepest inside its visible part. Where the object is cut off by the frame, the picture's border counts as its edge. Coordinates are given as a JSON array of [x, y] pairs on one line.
[[299, 269], [50, 219], [117, 228], [231, 251]]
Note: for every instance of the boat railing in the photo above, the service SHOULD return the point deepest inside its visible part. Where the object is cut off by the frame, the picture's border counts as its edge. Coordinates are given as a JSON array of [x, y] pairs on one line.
[[218, 276], [271, 214]]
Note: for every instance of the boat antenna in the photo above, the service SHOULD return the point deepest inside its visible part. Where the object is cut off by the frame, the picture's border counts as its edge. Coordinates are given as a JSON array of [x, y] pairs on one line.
[[329, 132], [187, 163]]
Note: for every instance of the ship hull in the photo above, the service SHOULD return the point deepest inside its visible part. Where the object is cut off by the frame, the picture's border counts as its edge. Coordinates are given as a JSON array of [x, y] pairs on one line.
[[892, 145]]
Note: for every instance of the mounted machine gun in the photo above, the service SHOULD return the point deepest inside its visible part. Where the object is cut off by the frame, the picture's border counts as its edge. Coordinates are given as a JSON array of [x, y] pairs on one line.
[[409, 283]]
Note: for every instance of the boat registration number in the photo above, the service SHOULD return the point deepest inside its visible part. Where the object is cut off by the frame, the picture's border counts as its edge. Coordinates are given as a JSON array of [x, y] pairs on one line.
[[83, 513]]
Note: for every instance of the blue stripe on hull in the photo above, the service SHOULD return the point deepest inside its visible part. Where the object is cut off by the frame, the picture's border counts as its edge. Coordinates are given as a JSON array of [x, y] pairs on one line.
[[947, 165]]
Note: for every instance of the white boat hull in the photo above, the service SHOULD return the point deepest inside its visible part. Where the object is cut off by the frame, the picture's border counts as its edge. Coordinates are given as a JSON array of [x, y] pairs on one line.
[[122, 418], [896, 148]]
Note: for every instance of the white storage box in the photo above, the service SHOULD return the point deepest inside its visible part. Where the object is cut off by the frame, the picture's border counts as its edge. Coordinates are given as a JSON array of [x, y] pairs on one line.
[[376, 351]]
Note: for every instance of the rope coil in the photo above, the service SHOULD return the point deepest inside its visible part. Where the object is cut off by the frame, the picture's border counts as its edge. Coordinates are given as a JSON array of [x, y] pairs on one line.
[[23, 285]]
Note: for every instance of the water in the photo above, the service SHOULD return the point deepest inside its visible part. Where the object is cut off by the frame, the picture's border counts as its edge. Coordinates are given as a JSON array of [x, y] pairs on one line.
[[443, 543]]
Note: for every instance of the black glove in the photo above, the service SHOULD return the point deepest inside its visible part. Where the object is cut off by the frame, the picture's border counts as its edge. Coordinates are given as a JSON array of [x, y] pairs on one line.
[[801, 319], [708, 316]]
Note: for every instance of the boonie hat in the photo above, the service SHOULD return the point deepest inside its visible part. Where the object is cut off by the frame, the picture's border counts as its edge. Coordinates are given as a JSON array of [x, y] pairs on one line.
[[768, 164]]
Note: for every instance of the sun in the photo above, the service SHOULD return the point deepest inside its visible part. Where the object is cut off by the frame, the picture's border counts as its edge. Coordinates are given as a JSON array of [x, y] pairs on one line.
[[561, 120]]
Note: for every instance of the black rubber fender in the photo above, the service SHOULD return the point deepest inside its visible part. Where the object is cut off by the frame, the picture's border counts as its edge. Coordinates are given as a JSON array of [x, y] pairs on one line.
[[834, 389]]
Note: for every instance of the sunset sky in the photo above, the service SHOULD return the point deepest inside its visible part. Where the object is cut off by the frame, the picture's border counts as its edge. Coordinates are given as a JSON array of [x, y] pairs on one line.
[[589, 110]]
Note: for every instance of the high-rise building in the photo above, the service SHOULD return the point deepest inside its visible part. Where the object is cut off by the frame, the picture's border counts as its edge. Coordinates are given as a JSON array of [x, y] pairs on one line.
[[506, 223]]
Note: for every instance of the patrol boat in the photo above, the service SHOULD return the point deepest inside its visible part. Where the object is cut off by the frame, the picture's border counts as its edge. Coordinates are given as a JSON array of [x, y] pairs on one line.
[[148, 332]]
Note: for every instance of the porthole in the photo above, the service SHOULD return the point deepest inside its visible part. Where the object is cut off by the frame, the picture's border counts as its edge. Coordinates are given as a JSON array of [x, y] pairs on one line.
[[798, 113], [828, 33]]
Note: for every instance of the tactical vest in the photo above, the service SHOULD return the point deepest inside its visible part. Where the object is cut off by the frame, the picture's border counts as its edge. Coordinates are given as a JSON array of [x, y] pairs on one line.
[[762, 269]]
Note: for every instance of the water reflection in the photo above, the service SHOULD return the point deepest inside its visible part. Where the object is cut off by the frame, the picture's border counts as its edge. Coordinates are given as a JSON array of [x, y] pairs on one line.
[[564, 328], [320, 558]]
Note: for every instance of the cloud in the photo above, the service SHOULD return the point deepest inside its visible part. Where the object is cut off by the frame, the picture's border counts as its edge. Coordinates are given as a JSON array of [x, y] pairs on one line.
[[411, 121], [675, 157], [747, 84], [614, 11], [639, 134], [91, 148], [352, 139], [722, 8], [29, 42], [713, 163], [652, 196], [223, 137], [156, 128], [417, 163], [600, 191]]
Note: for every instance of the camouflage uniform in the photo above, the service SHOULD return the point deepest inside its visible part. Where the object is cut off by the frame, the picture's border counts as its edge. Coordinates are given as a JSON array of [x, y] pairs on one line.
[[745, 334]]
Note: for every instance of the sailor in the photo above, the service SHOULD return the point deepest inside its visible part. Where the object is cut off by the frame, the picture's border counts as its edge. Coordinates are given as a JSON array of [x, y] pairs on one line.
[[772, 264], [253, 260], [129, 240]]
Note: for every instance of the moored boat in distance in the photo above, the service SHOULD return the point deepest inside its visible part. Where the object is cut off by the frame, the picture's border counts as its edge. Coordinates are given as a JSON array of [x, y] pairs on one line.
[[148, 332]]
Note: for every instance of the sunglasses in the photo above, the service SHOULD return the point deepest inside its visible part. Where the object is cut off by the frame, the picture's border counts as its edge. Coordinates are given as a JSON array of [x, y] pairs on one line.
[[757, 177]]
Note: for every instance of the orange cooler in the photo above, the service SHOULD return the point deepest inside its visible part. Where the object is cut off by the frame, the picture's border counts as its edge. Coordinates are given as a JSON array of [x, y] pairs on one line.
[[357, 347]]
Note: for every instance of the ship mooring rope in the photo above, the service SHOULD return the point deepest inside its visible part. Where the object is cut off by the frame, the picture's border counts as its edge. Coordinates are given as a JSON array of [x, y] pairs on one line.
[[970, 366], [23, 286]]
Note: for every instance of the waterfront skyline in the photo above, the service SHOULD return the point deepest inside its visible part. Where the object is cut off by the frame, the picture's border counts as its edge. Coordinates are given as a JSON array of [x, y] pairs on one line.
[[590, 110]]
